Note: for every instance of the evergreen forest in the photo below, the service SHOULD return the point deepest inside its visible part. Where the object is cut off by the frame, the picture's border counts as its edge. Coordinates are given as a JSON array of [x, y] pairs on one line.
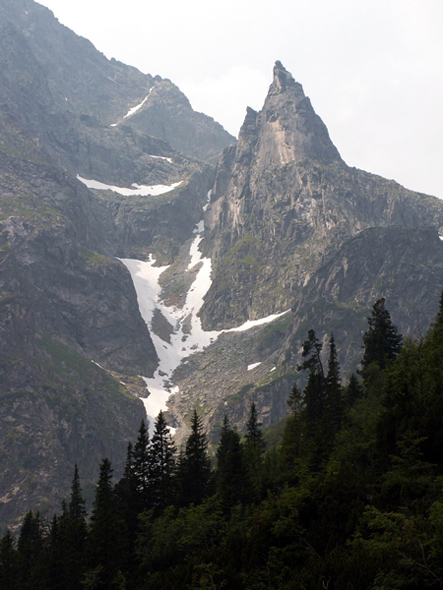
[[351, 498]]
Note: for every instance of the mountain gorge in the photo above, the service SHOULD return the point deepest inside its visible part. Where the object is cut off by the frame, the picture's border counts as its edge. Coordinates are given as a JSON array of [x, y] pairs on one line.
[[100, 162]]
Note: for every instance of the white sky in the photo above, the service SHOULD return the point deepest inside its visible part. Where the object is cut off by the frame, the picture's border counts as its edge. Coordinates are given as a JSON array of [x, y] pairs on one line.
[[372, 68]]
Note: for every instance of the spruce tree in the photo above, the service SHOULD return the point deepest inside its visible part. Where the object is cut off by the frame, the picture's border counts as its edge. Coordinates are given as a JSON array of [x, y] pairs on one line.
[[30, 548], [382, 341], [292, 442], [232, 477], [334, 391], [254, 435], [311, 352], [142, 468], [353, 391], [254, 449], [194, 473], [106, 530], [162, 463], [8, 563], [77, 504], [73, 534]]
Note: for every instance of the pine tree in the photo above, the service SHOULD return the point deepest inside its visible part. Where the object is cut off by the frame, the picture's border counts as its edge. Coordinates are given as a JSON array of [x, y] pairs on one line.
[[142, 468], [194, 473], [162, 463], [8, 563], [382, 341], [106, 530], [232, 477]]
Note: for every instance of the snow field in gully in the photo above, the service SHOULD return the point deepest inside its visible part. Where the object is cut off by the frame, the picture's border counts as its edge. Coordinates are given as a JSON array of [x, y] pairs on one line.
[[184, 341]]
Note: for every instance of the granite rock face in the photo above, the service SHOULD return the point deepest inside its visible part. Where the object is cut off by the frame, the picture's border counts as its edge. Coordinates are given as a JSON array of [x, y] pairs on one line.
[[283, 203], [291, 227], [167, 114], [72, 340], [82, 80]]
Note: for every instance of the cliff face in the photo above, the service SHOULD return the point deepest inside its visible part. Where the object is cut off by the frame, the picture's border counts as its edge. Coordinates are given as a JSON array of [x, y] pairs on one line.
[[284, 201], [72, 340], [291, 227], [167, 114], [82, 80], [62, 306]]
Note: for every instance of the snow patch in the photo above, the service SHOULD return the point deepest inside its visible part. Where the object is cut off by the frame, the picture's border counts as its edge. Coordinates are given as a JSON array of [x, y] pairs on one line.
[[253, 366], [133, 110], [161, 158], [441, 237], [98, 365], [139, 190], [188, 335]]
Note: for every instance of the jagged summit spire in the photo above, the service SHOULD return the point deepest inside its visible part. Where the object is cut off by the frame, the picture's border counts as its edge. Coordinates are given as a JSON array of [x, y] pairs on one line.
[[282, 78], [287, 129]]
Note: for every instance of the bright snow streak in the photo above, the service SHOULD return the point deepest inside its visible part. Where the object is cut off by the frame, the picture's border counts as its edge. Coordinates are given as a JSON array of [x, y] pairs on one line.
[[188, 335]]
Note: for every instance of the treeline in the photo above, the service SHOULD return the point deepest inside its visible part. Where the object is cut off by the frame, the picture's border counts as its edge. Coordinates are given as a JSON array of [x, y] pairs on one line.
[[352, 498]]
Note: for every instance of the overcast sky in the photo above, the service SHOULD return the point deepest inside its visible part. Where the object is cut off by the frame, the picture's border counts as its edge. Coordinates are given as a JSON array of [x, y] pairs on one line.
[[373, 69]]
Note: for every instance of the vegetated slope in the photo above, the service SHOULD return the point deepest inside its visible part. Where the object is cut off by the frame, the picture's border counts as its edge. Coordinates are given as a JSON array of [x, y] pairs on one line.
[[350, 497], [291, 226]]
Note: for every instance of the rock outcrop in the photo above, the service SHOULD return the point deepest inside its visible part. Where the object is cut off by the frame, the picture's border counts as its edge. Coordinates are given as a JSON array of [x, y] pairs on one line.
[[283, 203], [72, 340], [291, 227]]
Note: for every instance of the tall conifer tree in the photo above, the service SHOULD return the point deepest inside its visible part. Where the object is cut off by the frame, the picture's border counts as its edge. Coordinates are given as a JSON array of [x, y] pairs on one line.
[[106, 531], [382, 341], [162, 463], [194, 474]]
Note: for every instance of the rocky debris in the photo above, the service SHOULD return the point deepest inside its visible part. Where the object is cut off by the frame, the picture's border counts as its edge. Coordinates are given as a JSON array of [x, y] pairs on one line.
[[217, 381]]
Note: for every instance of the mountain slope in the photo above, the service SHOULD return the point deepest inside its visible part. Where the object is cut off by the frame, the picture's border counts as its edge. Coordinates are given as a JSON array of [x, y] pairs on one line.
[[291, 226], [82, 80], [284, 201], [73, 342]]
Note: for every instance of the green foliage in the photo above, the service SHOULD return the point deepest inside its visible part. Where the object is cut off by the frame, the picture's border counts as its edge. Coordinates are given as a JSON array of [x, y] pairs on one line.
[[382, 341], [162, 464], [194, 468], [350, 499]]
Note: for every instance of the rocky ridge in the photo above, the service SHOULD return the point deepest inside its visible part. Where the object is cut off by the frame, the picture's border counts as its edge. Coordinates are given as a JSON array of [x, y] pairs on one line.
[[291, 226], [71, 335]]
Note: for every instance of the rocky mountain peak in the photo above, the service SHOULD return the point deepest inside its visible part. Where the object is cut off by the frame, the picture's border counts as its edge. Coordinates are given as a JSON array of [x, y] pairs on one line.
[[290, 130], [283, 80], [287, 129]]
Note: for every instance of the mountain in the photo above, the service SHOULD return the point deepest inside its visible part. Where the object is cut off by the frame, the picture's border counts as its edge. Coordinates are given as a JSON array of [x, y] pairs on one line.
[[291, 227], [106, 176], [81, 79], [73, 343], [283, 194]]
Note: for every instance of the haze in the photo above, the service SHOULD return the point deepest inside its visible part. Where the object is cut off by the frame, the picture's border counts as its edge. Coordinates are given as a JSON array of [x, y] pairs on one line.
[[373, 69]]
